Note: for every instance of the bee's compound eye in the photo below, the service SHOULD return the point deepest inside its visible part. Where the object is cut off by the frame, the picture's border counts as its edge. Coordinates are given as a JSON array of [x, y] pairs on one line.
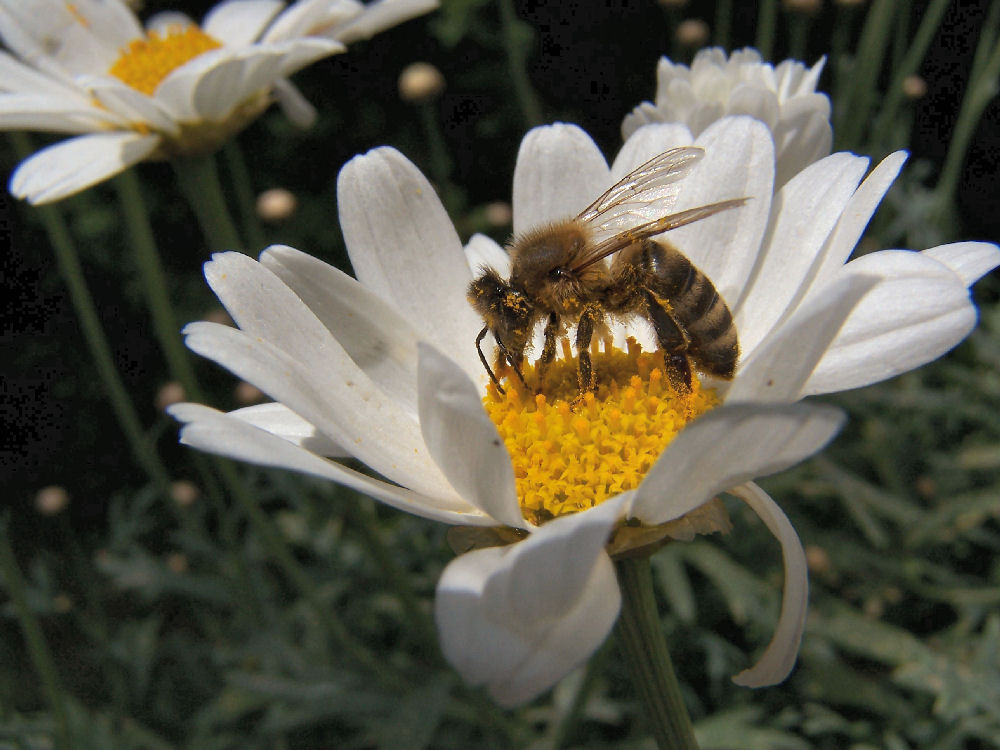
[[559, 274]]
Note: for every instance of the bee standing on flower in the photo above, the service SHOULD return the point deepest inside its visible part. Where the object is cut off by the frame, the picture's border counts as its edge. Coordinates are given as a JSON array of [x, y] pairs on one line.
[[557, 272]]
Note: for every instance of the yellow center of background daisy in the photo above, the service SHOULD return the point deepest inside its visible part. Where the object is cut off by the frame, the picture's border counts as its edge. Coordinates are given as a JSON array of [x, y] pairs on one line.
[[572, 453], [146, 62]]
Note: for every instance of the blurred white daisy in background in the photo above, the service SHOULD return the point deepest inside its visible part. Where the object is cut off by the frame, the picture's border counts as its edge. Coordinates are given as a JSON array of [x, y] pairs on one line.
[[172, 88], [384, 370], [784, 97]]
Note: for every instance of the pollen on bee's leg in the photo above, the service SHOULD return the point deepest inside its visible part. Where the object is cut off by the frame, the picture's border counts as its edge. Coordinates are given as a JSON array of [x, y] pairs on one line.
[[573, 450]]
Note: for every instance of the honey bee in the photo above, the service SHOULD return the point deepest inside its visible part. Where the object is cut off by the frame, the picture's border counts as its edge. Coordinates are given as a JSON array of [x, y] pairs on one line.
[[558, 273]]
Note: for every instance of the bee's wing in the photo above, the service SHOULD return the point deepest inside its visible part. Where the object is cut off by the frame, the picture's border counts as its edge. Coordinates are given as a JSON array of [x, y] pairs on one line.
[[619, 241], [643, 195]]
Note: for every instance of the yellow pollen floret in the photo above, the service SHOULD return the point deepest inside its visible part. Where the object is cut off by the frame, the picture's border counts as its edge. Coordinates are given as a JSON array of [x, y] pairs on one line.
[[146, 62], [570, 452]]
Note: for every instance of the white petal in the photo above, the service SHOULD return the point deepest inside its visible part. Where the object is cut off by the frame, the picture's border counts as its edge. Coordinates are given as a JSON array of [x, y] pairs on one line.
[[749, 99], [463, 440], [175, 93], [482, 252], [279, 420], [113, 22], [215, 432], [730, 445], [15, 76], [918, 311], [379, 340], [780, 367], [82, 37], [804, 214], [165, 20], [298, 54], [559, 172], [970, 260], [379, 16], [215, 92], [647, 142], [130, 105], [802, 142], [240, 22], [645, 113], [738, 163], [289, 354], [779, 658], [404, 248], [70, 166], [54, 113], [212, 85], [855, 217], [311, 17], [296, 107], [517, 619]]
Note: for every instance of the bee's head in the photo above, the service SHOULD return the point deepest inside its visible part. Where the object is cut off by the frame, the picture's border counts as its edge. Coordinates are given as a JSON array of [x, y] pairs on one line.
[[507, 312]]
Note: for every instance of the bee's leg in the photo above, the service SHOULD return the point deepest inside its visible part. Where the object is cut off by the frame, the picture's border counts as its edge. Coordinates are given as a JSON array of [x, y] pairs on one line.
[[514, 360], [548, 349], [673, 343], [482, 358], [584, 333]]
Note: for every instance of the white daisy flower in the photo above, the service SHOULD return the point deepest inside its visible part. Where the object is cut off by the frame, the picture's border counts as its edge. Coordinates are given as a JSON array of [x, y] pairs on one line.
[[782, 97], [384, 369], [89, 68]]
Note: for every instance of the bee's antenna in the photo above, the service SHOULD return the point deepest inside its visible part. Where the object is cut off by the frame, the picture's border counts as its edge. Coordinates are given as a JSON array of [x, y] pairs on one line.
[[482, 358]]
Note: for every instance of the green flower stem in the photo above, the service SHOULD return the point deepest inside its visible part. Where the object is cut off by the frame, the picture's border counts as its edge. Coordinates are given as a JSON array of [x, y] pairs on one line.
[[984, 79], [640, 638], [798, 34], [889, 109], [839, 61], [723, 23], [154, 284], [513, 37], [246, 200], [441, 164], [38, 649], [93, 333], [674, 16], [767, 22], [859, 96], [198, 178]]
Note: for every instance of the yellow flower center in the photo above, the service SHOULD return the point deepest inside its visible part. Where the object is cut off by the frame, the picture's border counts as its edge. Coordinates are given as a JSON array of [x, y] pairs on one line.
[[146, 62], [572, 453]]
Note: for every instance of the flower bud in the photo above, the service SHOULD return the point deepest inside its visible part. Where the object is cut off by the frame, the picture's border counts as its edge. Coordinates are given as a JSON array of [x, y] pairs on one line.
[[499, 213], [420, 82], [914, 87], [51, 500], [276, 204], [169, 394], [184, 493], [177, 562], [805, 7], [246, 394], [692, 32]]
